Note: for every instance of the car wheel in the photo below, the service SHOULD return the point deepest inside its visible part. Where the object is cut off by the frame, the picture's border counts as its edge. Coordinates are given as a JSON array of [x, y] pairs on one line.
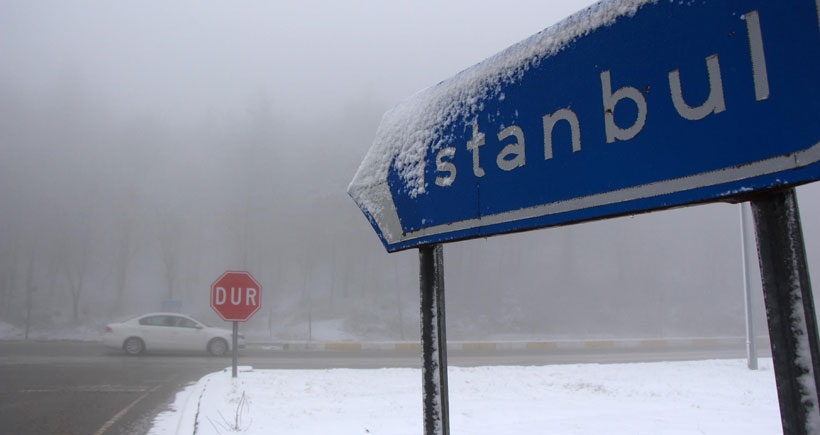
[[133, 346], [217, 347]]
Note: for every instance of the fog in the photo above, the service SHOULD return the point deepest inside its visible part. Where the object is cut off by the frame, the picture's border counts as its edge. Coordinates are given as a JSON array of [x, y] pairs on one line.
[[146, 147]]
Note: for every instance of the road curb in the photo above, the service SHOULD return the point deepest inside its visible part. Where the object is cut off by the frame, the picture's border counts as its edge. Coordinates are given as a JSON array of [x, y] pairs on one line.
[[189, 413]]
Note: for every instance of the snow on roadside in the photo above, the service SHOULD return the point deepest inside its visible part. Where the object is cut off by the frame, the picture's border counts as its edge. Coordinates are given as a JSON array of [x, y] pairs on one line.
[[709, 397], [10, 332]]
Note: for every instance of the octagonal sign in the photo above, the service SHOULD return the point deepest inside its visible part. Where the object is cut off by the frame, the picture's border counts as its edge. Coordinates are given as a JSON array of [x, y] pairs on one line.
[[236, 296]]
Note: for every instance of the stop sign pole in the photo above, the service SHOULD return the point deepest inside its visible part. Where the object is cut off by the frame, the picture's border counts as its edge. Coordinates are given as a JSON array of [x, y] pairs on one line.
[[235, 296]]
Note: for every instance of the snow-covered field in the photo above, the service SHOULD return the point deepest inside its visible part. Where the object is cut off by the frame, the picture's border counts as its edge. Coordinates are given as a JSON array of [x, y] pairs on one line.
[[700, 397]]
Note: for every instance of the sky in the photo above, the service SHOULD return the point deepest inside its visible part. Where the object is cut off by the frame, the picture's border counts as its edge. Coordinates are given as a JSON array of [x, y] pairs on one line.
[[150, 146], [183, 60]]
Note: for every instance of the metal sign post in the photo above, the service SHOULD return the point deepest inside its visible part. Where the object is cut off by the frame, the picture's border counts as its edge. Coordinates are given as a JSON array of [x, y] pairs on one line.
[[433, 341], [789, 310], [234, 347], [746, 243]]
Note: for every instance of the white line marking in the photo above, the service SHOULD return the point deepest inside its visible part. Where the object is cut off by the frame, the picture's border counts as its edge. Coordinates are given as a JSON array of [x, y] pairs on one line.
[[88, 389], [122, 412]]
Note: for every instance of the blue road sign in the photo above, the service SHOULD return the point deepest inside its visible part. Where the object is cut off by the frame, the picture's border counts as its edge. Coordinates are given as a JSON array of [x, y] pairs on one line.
[[625, 107]]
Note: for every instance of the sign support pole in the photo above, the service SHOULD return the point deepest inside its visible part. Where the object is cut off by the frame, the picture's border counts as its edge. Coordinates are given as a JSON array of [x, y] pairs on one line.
[[746, 243], [433, 341], [234, 345], [789, 310]]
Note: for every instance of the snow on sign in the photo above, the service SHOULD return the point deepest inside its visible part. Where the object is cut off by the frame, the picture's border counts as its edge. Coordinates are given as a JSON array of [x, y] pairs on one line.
[[624, 107]]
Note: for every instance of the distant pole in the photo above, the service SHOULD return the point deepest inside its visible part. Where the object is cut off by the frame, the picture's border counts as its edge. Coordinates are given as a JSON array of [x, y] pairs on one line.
[[30, 288], [433, 341], [789, 310], [746, 243], [29, 292]]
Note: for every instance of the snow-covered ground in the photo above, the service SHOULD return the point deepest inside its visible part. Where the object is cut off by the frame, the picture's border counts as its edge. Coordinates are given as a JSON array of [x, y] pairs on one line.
[[75, 333], [10, 332], [700, 397]]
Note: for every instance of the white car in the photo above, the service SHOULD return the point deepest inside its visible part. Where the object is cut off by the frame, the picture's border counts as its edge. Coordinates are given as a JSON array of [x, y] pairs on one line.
[[168, 332]]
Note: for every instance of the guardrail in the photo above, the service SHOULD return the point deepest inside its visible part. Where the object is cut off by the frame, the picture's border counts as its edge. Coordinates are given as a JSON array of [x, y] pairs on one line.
[[524, 345]]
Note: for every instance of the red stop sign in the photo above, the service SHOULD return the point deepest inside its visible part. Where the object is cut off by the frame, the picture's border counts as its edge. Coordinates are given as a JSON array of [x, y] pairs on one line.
[[235, 296]]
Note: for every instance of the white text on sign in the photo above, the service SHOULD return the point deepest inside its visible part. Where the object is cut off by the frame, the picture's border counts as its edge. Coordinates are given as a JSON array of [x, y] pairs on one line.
[[236, 294], [513, 155]]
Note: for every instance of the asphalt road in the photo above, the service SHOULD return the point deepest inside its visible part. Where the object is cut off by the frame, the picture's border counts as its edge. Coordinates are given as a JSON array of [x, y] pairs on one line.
[[83, 388]]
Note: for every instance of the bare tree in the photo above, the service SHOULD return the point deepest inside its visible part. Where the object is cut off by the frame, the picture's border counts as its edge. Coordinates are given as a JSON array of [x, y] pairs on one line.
[[125, 251], [30, 288], [398, 288], [307, 299], [169, 242], [77, 259], [8, 277]]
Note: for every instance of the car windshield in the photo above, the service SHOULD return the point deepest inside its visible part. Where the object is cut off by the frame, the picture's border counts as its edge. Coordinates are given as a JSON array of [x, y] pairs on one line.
[[202, 323]]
